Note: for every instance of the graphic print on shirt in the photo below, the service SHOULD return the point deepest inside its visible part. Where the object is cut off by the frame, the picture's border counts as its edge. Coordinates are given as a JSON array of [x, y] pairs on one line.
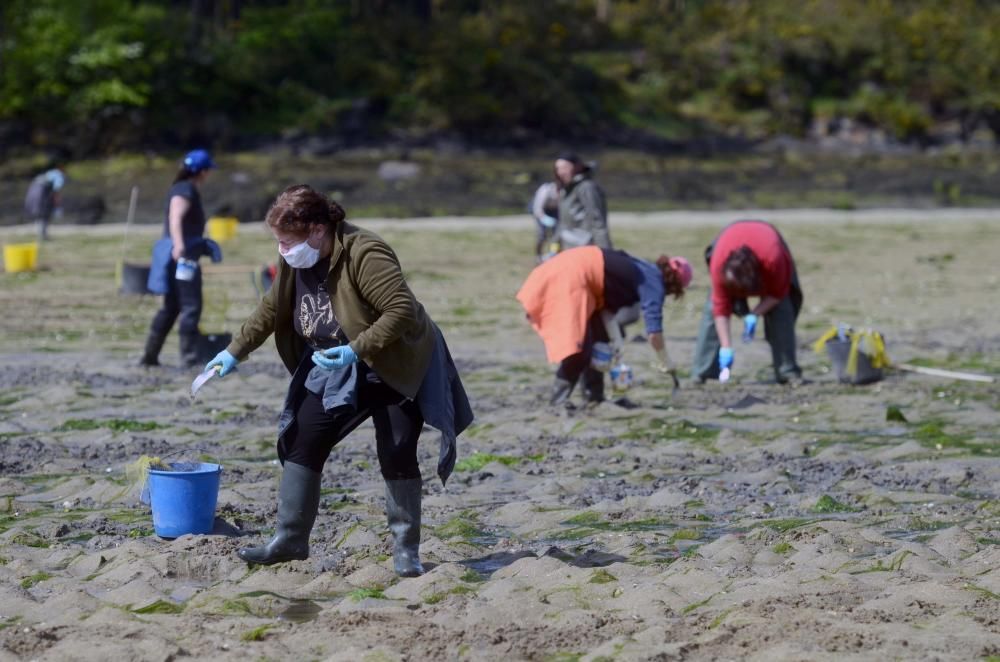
[[316, 317]]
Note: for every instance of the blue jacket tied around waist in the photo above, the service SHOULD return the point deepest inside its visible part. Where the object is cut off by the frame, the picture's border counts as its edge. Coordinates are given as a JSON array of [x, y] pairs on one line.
[[162, 266]]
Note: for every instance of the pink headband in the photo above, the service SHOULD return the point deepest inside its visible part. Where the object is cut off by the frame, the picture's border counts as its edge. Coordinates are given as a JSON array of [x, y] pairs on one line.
[[683, 269]]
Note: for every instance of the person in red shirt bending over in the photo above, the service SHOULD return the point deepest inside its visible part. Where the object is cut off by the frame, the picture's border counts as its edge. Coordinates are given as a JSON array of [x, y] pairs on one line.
[[749, 259]]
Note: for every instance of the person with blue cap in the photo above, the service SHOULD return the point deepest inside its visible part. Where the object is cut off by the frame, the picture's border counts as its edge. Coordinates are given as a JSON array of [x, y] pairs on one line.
[[174, 272]]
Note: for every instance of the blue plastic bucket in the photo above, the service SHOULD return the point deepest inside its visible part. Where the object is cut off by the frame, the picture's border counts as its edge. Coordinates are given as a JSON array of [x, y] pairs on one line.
[[183, 500]]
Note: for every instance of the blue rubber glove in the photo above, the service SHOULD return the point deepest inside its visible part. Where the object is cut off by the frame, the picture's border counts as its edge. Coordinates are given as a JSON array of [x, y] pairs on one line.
[[749, 327], [335, 357], [224, 359], [547, 221], [725, 357]]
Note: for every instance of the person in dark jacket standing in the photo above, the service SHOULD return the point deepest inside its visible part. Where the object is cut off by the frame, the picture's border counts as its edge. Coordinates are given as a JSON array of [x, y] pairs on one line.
[[184, 226], [44, 199], [749, 259], [583, 212], [358, 345]]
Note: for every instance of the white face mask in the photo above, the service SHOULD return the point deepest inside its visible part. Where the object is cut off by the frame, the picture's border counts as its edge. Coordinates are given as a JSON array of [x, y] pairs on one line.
[[301, 256]]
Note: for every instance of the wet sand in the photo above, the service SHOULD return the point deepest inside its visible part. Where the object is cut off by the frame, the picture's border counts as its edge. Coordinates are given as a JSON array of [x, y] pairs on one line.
[[744, 521]]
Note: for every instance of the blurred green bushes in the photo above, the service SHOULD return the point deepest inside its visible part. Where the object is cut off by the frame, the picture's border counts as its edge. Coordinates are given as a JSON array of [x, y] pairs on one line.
[[108, 74]]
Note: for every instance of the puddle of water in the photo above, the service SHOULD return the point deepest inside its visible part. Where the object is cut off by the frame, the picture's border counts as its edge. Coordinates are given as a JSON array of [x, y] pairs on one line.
[[300, 611], [487, 565]]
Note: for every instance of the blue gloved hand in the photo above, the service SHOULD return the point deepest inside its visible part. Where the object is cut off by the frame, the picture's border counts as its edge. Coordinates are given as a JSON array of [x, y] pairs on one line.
[[749, 327], [547, 221], [725, 357], [335, 357], [214, 250], [224, 359]]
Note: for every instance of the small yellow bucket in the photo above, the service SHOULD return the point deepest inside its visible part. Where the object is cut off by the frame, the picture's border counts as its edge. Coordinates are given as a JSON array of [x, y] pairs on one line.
[[20, 257], [221, 228]]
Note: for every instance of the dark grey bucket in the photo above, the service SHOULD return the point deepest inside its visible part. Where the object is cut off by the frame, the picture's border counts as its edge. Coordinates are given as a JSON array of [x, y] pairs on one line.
[[211, 344], [839, 350], [134, 278]]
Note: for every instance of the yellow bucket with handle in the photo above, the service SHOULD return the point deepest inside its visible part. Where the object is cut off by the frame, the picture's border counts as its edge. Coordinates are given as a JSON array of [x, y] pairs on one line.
[[20, 257], [222, 228]]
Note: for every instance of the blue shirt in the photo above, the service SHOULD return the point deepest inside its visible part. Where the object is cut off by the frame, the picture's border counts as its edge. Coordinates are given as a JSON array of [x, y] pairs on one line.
[[652, 293]]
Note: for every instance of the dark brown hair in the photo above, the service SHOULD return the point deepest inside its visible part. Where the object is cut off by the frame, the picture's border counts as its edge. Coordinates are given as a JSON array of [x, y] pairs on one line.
[[742, 270], [300, 206], [183, 174], [671, 280]]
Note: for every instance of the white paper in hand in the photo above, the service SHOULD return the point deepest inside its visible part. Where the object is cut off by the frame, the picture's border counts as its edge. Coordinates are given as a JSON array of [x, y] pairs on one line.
[[724, 375], [201, 379]]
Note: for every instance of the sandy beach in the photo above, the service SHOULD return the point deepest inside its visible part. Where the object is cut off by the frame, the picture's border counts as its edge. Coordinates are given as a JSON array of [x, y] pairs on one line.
[[719, 522]]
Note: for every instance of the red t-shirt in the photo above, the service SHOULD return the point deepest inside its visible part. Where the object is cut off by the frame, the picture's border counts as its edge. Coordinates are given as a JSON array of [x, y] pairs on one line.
[[775, 261]]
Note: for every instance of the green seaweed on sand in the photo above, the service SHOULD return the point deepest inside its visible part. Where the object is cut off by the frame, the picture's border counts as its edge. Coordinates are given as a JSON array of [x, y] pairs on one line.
[[827, 504], [256, 634], [602, 576], [894, 414], [359, 594], [695, 605], [115, 424], [982, 591], [932, 434], [30, 539], [661, 429], [895, 564], [28, 582], [159, 607], [464, 525], [455, 590], [782, 525], [477, 461], [685, 534], [237, 606], [589, 523]]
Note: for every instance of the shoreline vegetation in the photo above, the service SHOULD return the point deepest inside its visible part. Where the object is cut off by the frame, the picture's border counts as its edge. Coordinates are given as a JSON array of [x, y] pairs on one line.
[[406, 183]]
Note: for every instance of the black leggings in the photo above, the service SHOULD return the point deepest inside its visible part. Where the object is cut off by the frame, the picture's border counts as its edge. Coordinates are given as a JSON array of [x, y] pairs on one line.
[[398, 422], [575, 366], [183, 298]]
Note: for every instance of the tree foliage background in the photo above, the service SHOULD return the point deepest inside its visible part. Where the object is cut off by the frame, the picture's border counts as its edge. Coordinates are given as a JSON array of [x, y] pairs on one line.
[[109, 74]]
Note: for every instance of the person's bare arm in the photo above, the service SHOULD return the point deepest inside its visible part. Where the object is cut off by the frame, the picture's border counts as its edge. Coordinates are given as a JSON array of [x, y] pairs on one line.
[[179, 206], [722, 328]]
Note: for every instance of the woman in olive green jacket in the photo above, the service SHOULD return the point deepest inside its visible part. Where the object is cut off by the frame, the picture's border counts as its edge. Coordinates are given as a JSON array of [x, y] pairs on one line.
[[358, 344]]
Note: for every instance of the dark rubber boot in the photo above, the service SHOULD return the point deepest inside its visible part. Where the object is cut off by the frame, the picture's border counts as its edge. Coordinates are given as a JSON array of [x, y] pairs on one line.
[[298, 503], [593, 386], [402, 505], [154, 343], [561, 390], [190, 344]]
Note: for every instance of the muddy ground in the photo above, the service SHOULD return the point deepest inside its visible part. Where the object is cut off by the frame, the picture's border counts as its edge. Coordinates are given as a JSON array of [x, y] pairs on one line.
[[745, 521]]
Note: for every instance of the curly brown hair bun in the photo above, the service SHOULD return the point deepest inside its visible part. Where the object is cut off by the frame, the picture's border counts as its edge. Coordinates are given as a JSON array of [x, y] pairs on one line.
[[300, 206]]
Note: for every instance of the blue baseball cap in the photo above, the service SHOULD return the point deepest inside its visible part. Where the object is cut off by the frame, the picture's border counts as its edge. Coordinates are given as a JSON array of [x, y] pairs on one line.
[[198, 160]]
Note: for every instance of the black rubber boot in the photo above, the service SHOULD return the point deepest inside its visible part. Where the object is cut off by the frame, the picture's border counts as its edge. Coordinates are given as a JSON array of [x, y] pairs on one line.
[[190, 344], [561, 390], [154, 343], [593, 386], [402, 505], [298, 503]]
